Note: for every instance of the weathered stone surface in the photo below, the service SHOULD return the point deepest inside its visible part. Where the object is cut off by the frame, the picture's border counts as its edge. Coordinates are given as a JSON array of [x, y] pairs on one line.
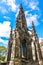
[[22, 52]]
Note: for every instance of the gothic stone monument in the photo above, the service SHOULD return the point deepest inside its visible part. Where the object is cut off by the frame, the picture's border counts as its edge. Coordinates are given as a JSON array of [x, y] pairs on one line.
[[23, 46]]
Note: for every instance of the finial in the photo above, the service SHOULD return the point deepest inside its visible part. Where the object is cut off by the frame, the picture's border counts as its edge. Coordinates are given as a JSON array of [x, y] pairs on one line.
[[33, 26], [11, 29], [21, 6], [32, 23], [11, 32]]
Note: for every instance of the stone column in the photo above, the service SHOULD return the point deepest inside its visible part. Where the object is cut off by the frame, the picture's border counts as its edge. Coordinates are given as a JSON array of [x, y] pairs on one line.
[[17, 45], [33, 51], [11, 62], [39, 54], [9, 46]]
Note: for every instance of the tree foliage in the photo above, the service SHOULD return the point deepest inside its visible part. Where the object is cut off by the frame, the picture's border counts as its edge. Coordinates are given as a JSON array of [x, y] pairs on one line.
[[3, 51]]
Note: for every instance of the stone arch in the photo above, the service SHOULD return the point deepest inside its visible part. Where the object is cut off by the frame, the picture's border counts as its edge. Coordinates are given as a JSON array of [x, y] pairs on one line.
[[30, 50]]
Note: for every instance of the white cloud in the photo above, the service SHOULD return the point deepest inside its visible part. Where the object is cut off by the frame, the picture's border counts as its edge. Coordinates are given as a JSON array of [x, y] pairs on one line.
[[10, 4], [25, 2], [5, 29], [17, 13], [6, 17], [3, 41], [30, 18], [26, 13], [34, 5], [3, 10]]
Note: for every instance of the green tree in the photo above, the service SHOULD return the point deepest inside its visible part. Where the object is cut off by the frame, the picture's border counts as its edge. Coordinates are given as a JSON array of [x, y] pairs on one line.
[[3, 51]]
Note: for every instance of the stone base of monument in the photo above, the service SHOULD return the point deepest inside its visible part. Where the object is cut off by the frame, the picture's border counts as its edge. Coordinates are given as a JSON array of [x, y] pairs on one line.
[[3, 63], [41, 62], [25, 62], [17, 62]]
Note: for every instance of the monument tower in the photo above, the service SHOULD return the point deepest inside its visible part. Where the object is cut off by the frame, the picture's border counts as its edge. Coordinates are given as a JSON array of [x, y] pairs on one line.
[[25, 49]]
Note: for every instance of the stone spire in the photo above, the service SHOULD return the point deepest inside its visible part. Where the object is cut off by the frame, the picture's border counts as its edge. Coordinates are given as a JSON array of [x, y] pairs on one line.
[[21, 8], [36, 44], [33, 28], [39, 53], [10, 45], [21, 20], [11, 33]]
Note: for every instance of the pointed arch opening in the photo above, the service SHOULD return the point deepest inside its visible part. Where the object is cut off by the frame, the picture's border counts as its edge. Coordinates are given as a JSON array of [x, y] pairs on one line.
[[23, 48]]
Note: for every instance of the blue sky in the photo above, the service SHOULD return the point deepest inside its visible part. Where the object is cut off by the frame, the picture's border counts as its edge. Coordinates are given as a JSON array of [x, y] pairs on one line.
[[8, 12]]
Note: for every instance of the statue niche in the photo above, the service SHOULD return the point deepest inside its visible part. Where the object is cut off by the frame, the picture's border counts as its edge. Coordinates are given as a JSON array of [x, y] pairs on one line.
[[23, 47]]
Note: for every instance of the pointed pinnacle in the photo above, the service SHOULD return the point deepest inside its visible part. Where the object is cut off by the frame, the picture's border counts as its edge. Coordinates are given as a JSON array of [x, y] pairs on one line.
[[21, 7], [11, 33], [32, 24]]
